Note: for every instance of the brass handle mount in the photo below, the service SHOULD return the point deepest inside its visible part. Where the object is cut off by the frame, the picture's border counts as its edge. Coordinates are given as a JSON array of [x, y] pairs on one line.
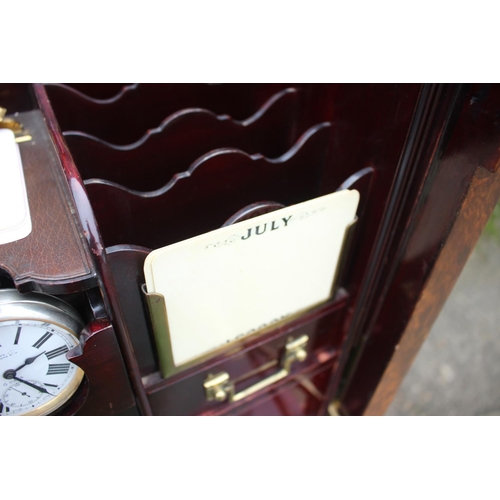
[[219, 387], [15, 126]]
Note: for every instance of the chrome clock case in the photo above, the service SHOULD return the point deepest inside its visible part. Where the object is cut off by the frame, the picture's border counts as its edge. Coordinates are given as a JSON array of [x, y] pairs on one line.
[[41, 307], [35, 306]]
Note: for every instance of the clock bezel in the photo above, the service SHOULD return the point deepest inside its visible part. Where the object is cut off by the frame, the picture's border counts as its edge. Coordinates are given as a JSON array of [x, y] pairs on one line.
[[35, 306]]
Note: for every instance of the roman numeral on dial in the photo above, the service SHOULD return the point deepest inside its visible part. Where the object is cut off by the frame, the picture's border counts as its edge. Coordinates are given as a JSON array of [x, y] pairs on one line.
[[16, 340], [42, 340], [58, 368], [56, 352]]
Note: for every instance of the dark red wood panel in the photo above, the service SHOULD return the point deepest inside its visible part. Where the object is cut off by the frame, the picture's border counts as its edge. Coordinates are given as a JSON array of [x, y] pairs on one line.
[[354, 130]]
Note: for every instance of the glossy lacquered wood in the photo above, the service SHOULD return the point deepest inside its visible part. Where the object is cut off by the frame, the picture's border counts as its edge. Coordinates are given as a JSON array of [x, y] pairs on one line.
[[201, 199], [53, 257], [396, 138], [127, 116], [412, 150], [443, 215], [100, 358], [107, 290], [184, 136], [347, 126], [250, 362], [482, 196]]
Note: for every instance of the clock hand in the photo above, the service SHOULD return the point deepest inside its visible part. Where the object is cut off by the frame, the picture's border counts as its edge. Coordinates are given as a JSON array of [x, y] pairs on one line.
[[37, 387], [8, 374], [22, 393], [29, 361]]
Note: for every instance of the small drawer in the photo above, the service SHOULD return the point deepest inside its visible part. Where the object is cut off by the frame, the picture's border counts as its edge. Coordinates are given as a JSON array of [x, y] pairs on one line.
[[251, 364]]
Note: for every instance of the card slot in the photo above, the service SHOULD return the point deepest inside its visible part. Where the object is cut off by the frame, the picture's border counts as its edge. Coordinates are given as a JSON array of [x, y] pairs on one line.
[[182, 138], [362, 181], [139, 107], [198, 200], [127, 263], [351, 272]]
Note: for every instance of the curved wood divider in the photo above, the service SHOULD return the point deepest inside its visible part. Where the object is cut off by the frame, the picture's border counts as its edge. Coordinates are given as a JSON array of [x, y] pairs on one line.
[[139, 107], [183, 137], [200, 199]]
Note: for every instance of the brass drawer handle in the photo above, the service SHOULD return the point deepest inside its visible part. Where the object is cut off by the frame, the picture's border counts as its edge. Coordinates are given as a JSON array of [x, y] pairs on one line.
[[219, 387]]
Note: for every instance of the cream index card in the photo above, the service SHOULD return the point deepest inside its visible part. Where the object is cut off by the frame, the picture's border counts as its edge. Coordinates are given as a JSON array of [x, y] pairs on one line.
[[15, 219], [230, 283]]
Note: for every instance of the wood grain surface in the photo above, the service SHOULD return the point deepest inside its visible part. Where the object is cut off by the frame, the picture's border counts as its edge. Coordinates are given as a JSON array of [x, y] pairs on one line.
[[54, 257], [483, 195]]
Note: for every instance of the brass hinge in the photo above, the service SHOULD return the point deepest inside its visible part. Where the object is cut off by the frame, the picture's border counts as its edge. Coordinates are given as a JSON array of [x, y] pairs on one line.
[[15, 126]]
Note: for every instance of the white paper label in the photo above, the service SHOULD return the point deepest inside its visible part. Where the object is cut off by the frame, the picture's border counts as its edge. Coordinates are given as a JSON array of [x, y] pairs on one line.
[[232, 282], [15, 220]]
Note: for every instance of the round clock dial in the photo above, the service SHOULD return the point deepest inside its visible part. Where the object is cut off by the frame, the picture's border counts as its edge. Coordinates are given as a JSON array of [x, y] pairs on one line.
[[36, 332]]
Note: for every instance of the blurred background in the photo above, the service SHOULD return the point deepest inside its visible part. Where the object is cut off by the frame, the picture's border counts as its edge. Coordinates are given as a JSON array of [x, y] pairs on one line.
[[457, 371]]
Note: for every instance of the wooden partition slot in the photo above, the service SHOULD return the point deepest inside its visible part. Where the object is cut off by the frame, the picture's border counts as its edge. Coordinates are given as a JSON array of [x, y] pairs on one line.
[[214, 187], [182, 138], [139, 107]]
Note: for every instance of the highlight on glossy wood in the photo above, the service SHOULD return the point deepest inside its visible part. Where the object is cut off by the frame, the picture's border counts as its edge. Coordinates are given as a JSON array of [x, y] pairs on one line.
[[150, 163], [125, 118]]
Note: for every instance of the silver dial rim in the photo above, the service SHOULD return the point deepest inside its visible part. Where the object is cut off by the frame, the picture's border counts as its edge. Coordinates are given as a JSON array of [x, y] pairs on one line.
[[39, 307]]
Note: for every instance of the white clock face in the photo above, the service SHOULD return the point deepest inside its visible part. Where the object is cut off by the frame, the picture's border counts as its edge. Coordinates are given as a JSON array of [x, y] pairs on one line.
[[35, 376]]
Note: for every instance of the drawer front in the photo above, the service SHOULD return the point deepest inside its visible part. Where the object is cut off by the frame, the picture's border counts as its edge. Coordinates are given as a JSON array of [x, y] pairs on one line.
[[256, 362]]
